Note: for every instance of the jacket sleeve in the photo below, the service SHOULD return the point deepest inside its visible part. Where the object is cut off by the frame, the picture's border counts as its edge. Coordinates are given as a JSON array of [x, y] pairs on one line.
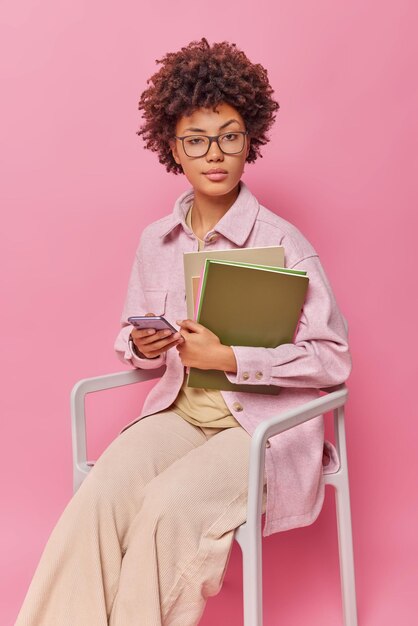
[[135, 304], [319, 356]]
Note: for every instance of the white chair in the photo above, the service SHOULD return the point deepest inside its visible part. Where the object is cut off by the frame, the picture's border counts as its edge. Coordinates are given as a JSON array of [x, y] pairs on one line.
[[249, 535]]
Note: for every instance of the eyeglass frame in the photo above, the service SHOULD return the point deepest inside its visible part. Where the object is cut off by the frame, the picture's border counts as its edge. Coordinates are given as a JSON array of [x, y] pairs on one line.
[[213, 138]]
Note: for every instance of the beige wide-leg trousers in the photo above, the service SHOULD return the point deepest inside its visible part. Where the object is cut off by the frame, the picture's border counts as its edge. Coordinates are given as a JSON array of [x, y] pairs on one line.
[[147, 537]]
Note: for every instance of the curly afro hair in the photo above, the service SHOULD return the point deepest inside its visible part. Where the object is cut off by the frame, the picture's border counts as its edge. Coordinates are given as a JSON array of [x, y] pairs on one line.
[[203, 76]]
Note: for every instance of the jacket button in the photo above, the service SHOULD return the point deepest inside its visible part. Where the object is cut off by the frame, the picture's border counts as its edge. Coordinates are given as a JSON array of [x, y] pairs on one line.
[[237, 407], [259, 375], [245, 376], [212, 238]]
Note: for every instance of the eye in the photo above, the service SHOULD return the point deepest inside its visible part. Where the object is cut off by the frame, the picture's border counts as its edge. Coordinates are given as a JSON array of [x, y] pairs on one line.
[[194, 141], [230, 137]]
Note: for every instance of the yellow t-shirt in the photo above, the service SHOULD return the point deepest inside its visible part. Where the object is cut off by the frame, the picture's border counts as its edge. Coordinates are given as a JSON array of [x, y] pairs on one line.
[[202, 407]]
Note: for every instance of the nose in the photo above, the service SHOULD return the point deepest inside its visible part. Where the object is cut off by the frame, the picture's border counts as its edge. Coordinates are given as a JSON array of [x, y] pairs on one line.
[[214, 152]]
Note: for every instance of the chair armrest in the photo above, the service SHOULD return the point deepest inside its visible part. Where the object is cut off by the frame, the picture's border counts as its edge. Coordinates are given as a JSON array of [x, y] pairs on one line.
[[274, 426], [78, 416], [333, 400]]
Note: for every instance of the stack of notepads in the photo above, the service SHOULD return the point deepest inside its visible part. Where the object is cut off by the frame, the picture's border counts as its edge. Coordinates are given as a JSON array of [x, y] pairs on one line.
[[245, 303]]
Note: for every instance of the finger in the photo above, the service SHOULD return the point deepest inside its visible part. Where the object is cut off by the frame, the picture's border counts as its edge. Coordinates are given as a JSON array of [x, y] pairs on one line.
[[156, 336], [138, 333], [160, 334], [150, 315], [190, 325], [181, 344], [157, 345], [165, 348]]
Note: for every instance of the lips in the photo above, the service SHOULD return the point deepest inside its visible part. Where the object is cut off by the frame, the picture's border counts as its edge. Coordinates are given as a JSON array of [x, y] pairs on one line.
[[216, 174]]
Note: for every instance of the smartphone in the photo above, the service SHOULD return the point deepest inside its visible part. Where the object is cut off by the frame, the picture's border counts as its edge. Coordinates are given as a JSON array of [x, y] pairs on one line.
[[146, 321]]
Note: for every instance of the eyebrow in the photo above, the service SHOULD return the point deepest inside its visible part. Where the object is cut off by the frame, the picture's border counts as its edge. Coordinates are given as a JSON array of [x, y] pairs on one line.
[[200, 130]]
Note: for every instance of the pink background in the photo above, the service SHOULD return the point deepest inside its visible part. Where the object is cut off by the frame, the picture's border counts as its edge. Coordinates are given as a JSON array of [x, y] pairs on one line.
[[77, 188]]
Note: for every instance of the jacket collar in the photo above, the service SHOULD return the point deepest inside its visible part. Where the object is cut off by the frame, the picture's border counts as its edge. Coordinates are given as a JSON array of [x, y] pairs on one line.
[[235, 225]]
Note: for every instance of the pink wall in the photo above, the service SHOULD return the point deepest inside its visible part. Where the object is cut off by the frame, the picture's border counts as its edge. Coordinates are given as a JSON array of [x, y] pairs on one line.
[[76, 190]]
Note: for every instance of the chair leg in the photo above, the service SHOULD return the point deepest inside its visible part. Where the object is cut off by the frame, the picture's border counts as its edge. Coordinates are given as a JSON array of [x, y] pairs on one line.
[[250, 543], [345, 544]]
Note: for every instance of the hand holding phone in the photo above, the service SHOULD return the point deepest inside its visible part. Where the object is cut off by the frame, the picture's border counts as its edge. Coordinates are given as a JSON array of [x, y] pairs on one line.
[[153, 335]]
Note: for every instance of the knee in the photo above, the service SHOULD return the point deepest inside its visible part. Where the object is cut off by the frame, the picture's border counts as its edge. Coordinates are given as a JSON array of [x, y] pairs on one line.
[[165, 501]]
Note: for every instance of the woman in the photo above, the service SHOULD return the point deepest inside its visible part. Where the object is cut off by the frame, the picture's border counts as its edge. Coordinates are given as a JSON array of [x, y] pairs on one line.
[[146, 539]]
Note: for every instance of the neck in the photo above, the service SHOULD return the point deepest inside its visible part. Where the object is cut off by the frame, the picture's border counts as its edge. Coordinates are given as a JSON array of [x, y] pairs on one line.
[[207, 211]]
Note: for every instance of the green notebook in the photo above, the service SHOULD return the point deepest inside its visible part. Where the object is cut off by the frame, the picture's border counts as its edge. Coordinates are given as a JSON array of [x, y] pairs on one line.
[[247, 305]]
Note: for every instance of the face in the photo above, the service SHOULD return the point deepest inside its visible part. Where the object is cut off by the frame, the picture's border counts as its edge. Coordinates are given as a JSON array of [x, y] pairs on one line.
[[216, 173]]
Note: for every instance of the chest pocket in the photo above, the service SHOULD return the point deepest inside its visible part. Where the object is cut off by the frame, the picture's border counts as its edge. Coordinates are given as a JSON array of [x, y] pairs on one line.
[[156, 301]]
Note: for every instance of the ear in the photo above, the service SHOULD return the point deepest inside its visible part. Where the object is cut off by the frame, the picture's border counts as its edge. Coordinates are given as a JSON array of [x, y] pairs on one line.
[[174, 151]]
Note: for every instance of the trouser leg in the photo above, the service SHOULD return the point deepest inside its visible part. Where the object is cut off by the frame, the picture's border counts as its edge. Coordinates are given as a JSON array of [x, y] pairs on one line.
[[179, 543], [78, 575]]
